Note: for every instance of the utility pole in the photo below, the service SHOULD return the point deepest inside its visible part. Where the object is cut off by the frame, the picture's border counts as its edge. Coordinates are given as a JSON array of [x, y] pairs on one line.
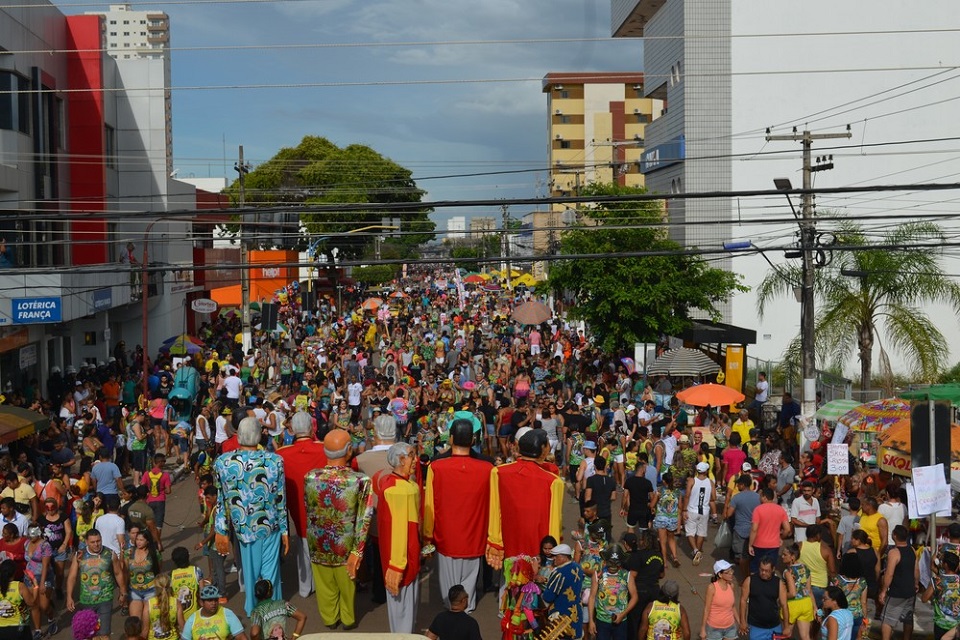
[[506, 242], [243, 168], [808, 234]]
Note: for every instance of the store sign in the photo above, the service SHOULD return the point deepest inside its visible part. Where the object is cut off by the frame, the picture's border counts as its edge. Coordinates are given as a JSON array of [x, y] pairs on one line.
[[663, 155], [102, 299], [36, 310], [203, 305], [895, 462]]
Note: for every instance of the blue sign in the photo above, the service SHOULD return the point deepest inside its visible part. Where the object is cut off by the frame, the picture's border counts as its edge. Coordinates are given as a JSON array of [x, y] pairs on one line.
[[663, 155], [36, 310], [102, 299]]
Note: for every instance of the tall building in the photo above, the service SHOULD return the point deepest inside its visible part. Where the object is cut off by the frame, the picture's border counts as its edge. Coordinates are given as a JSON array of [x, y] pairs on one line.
[[596, 132], [140, 43], [686, 58], [456, 228], [70, 141]]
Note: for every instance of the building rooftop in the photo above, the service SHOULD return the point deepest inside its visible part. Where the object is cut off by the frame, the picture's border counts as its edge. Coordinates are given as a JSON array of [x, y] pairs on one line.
[[590, 77]]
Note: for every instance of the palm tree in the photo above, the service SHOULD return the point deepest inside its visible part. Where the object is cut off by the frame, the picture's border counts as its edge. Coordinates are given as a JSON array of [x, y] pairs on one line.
[[892, 283]]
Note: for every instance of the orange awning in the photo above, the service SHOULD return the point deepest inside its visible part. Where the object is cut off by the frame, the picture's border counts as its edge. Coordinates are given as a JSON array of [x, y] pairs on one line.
[[227, 296]]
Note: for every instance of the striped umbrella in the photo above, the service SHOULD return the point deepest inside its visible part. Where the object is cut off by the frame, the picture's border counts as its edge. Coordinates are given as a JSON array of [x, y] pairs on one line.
[[834, 409], [16, 423], [876, 415], [683, 362]]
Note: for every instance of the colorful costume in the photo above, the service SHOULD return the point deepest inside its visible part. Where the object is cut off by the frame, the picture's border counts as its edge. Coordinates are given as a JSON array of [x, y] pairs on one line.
[[339, 505], [300, 457], [526, 504], [398, 521], [252, 498], [455, 511]]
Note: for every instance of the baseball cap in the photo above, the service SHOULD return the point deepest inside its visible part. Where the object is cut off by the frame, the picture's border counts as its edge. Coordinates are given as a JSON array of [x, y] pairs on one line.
[[210, 592], [746, 467], [522, 431], [598, 400], [670, 589], [684, 438], [721, 565], [703, 467], [562, 550], [631, 407], [590, 444]]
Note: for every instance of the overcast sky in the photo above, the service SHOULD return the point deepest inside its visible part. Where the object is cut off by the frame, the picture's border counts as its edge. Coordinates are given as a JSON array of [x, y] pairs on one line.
[[499, 123]]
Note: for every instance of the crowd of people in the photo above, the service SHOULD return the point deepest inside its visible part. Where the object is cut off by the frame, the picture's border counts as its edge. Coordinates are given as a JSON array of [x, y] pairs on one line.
[[366, 442]]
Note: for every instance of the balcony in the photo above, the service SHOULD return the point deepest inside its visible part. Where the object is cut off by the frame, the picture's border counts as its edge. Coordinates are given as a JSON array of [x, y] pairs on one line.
[[628, 18]]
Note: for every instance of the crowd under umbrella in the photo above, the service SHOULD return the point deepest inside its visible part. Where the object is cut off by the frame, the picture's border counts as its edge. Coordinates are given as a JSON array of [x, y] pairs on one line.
[[710, 395], [683, 362]]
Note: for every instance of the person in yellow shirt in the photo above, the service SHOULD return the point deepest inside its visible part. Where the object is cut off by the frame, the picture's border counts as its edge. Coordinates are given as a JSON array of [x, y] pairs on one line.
[[874, 525], [743, 425]]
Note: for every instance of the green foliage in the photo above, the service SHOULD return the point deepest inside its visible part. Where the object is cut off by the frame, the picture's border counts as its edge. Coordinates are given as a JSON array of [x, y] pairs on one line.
[[487, 247], [952, 375], [318, 172], [852, 312], [375, 274], [628, 300]]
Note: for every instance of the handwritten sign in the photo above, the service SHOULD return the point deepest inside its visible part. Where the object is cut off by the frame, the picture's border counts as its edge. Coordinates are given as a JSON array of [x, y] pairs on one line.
[[838, 460], [932, 491]]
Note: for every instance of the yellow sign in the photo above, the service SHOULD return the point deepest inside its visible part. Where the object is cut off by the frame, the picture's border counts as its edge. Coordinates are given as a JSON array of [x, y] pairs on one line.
[[734, 372]]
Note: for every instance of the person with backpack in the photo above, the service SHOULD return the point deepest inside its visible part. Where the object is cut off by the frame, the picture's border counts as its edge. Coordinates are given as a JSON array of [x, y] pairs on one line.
[[159, 485]]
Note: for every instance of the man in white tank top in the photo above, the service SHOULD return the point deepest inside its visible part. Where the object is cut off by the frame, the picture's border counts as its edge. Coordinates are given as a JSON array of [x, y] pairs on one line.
[[700, 503]]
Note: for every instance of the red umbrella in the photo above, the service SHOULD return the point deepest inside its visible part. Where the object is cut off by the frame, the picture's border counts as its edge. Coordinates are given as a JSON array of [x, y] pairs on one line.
[[714, 395], [532, 312], [474, 279]]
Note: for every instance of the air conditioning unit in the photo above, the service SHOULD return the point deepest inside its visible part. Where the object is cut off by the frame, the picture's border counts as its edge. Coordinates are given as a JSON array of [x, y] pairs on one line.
[[636, 111], [559, 137], [558, 87], [638, 87], [558, 112], [638, 138]]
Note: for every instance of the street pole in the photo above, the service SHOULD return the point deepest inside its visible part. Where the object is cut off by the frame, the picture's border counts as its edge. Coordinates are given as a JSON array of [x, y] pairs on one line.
[[808, 232], [506, 242], [243, 168]]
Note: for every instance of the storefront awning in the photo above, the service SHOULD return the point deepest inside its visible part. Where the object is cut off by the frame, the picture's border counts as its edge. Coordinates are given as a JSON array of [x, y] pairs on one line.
[[16, 423]]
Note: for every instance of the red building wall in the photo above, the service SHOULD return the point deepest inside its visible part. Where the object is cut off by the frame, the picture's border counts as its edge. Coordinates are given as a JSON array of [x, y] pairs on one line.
[[86, 140]]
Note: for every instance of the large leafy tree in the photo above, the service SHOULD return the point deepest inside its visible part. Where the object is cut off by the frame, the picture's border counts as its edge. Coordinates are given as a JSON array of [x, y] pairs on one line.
[[629, 300], [317, 171], [882, 294]]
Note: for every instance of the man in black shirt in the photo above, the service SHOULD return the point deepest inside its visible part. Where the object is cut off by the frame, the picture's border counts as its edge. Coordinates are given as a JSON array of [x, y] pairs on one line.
[[601, 488], [646, 569], [636, 497], [454, 624]]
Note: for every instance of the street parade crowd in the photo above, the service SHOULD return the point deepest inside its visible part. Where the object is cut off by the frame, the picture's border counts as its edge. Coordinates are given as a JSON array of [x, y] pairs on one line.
[[432, 428]]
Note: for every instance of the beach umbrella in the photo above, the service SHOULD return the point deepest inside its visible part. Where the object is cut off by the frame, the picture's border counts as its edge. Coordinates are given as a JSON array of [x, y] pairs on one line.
[[492, 286], [184, 337], [182, 345], [531, 312], [474, 279], [16, 423], [370, 304], [834, 409], [713, 395], [683, 362], [876, 415]]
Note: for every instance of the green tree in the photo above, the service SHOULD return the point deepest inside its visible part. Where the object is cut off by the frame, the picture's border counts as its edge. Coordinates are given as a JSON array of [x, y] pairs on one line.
[[886, 296], [319, 172], [375, 274], [628, 300]]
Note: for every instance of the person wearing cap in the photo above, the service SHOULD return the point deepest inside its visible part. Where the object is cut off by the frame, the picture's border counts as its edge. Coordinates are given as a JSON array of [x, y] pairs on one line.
[[526, 502], [211, 621], [613, 596], [585, 471], [339, 507], [665, 617], [564, 590], [455, 512], [305, 454], [253, 502], [699, 503], [721, 619]]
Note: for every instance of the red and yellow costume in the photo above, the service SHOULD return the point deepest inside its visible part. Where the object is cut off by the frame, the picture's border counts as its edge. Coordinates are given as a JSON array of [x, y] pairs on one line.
[[526, 504], [463, 502], [398, 523]]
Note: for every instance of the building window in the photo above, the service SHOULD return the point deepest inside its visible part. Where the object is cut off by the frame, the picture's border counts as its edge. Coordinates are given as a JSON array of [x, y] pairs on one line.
[[110, 146], [126, 22], [564, 119], [643, 118], [113, 22], [565, 144], [564, 94], [14, 102], [113, 33], [143, 22]]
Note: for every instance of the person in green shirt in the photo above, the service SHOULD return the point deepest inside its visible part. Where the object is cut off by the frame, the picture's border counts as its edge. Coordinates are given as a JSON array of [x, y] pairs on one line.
[[269, 618]]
